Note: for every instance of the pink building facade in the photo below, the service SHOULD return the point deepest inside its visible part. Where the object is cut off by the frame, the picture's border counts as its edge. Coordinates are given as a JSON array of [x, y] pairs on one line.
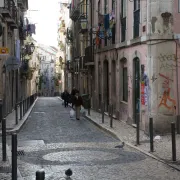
[[137, 69]]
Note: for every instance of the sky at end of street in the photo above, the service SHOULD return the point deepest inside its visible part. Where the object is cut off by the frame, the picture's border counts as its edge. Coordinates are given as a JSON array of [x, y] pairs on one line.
[[46, 20]]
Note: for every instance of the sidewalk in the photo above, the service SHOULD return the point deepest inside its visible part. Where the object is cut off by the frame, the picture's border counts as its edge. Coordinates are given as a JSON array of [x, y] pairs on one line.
[[127, 134], [11, 127]]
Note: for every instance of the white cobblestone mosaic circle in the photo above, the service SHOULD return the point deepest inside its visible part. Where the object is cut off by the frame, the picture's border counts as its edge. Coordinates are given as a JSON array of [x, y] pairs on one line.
[[85, 155], [81, 156]]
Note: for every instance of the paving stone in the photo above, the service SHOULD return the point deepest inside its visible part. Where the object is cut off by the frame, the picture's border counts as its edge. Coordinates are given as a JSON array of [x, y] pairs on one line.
[[81, 146]]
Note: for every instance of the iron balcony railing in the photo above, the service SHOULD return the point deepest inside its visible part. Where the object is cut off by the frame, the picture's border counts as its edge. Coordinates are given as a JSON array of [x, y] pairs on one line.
[[74, 13], [9, 10], [23, 4]]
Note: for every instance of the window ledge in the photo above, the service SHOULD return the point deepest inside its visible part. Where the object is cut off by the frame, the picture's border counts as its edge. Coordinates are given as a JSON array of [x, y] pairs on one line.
[[124, 102]]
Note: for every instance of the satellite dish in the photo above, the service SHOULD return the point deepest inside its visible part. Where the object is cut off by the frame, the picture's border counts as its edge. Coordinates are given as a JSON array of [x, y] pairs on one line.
[[12, 63]]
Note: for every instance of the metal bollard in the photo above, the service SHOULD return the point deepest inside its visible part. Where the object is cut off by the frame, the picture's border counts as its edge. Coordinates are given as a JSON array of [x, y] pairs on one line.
[[151, 134], [40, 175], [23, 107], [137, 129], [102, 111], [178, 124], [111, 116], [173, 133], [4, 139], [14, 156], [21, 110], [1, 111], [16, 113], [26, 105]]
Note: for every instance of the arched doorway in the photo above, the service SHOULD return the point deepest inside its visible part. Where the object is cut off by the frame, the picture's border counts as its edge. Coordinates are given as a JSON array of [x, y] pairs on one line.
[[136, 87], [106, 84], [113, 84]]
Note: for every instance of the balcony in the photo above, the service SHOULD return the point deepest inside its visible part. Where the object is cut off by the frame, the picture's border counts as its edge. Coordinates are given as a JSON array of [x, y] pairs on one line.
[[69, 35], [88, 56], [22, 33], [9, 12], [74, 13], [23, 4]]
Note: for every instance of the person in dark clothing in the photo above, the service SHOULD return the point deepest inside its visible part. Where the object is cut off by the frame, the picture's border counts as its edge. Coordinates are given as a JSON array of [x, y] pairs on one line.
[[65, 98], [73, 93], [78, 103]]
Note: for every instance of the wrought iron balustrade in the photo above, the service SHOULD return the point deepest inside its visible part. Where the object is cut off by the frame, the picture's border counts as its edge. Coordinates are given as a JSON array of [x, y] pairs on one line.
[[9, 11]]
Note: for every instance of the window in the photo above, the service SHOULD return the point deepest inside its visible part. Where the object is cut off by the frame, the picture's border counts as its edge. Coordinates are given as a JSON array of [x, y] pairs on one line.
[[123, 8], [125, 84], [178, 6], [105, 7], [123, 20], [113, 5], [114, 34], [136, 18], [136, 5]]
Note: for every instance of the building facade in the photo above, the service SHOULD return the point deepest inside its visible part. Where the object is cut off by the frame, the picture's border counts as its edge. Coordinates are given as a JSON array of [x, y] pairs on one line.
[[47, 78], [12, 36], [133, 64], [65, 48]]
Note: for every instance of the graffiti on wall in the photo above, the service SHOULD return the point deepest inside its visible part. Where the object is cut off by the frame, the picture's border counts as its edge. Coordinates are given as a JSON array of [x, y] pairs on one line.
[[168, 61], [144, 86], [166, 100]]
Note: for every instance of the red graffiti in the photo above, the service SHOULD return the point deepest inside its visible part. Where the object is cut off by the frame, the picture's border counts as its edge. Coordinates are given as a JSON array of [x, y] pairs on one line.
[[166, 93]]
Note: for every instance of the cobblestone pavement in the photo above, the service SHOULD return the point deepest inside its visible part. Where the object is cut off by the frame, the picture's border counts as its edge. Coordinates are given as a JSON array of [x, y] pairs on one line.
[[127, 133], [54, 142]]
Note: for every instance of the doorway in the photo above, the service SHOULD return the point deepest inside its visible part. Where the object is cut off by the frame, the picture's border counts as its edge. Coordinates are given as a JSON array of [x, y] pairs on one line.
[[136, 87], [106, 84], [99, 85], [113, 85]]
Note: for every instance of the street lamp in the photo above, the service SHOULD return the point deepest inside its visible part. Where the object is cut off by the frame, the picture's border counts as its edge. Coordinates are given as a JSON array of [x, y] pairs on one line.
[[83, 22], [32, 46]]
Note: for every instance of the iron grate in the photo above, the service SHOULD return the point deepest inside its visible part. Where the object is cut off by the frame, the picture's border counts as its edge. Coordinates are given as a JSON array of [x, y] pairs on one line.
[[5, 169], [20, 153]]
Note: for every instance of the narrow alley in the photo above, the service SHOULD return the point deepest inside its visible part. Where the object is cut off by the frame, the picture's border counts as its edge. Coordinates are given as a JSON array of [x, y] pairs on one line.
[[50, 140]]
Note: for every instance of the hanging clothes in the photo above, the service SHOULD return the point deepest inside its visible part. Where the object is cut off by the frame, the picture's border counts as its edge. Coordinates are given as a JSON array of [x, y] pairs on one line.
[[112, 15], [33, 29], [97, 36], [111, 23], [106, 21], [109, 33], [101, 32]]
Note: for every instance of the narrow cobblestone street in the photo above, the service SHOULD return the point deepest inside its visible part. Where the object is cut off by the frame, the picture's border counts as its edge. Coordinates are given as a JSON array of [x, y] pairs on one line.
[[54, 142]]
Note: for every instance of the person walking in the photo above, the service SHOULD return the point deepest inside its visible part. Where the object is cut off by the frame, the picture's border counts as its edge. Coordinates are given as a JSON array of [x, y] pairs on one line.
[[78, 103], [73, 93], [66, 98]]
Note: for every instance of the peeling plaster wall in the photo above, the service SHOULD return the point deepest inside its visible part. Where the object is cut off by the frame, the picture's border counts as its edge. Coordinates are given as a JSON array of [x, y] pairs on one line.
[[156, 24], [163, 90]]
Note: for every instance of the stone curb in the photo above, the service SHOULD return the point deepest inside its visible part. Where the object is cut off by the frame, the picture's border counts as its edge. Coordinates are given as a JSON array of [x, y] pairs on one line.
[[9, 156], [18, 127], [130, 145]]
